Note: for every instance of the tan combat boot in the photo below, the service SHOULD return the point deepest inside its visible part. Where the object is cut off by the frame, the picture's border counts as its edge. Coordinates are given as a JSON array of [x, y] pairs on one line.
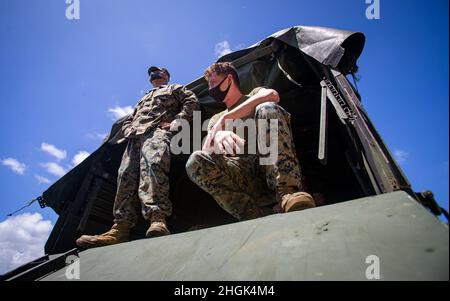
[[119, 233], [296, 201], [158, 225]]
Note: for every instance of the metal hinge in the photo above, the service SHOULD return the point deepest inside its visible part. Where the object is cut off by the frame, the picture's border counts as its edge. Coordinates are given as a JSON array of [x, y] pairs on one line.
[[426, 198]]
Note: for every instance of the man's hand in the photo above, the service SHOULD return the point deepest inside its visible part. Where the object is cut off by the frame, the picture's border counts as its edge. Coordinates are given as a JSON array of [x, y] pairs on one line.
[[217, 127], [172, 126], [175, 124], [164, 125], [223, 142]]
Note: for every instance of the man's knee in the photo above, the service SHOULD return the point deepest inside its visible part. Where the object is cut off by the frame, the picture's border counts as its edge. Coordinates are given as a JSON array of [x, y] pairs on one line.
[[270, 110], [195, 162]]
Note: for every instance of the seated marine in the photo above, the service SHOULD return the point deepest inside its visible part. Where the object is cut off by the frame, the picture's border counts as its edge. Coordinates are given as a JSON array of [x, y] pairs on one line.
[[247, 184]]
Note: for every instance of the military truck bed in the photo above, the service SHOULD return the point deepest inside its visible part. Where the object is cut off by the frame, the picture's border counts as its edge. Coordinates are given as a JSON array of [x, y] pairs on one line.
[[325, 243]]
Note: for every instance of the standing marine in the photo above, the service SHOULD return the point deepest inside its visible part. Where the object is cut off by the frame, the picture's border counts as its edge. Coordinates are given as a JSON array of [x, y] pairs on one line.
[[143, 177]]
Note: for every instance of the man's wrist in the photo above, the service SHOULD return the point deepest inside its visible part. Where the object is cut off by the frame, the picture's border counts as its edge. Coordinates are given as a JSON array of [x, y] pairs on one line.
[[226, 116]]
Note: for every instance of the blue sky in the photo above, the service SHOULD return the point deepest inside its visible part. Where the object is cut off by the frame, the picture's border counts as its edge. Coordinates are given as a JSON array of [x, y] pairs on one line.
[[64, 81]]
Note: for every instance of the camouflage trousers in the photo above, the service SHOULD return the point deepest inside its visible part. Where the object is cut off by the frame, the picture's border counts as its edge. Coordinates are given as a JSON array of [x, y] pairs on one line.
[[242, 186], [143, 180]]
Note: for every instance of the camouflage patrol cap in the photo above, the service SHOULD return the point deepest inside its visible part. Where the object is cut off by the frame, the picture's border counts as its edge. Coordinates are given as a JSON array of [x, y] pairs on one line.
[[153, 68]]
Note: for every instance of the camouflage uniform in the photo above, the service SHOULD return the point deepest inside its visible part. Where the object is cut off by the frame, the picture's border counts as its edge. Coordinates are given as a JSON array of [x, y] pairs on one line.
[[144, 171], [239, 184]]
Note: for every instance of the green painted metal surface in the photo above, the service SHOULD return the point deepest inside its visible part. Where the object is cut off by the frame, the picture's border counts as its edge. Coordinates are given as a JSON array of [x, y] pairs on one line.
[[325, 243]]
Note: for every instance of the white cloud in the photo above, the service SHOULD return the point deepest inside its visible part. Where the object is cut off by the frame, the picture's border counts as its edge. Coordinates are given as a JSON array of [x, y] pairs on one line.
[[22, 239], [78, 158], [53, 151], [101, 136], [222, 48], [401, 156], [54, 169], [15, 165], [42, 180], [97, 136], [119, 112]]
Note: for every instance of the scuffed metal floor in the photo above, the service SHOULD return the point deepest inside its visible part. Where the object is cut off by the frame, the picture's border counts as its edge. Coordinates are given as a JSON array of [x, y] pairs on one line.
[[326, 243]]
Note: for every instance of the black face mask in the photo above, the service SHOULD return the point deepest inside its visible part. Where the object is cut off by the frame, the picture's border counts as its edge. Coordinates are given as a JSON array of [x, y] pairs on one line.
[[156, 75], [217, 94]]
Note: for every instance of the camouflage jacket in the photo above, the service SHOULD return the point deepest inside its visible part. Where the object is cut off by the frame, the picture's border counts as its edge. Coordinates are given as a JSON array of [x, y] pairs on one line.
[[162, 104], [244, 97], [240, 130]]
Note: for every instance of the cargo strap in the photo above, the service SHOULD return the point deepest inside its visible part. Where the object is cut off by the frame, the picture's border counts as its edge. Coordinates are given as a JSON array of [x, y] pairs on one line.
[[287, 75], [40, 199]]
